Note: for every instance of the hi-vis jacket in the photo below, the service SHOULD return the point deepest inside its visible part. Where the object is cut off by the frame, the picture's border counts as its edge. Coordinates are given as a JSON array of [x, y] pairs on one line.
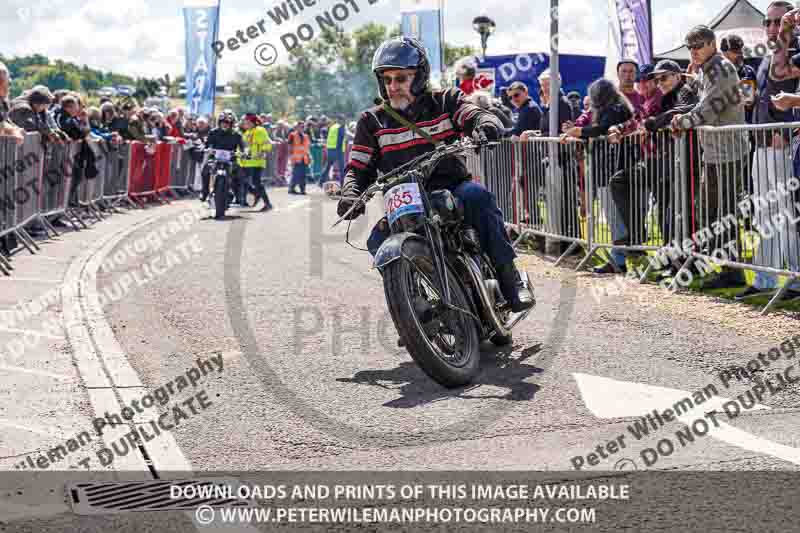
[[258, 144], [381, 143], [299, 149]]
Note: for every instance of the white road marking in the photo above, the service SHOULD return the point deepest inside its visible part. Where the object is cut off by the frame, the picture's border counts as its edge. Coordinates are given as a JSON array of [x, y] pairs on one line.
[[50, 431], [45, 373], [33, 332], [610, 398], [32, 280]]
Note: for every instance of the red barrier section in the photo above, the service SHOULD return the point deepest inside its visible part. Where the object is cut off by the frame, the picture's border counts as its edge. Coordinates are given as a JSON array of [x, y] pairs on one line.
[[161, 164], [142, 176], [283, 159]]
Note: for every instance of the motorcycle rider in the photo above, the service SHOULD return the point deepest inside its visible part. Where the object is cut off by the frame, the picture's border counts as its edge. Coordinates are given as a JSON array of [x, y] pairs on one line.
[[223, 137], [382, 143]]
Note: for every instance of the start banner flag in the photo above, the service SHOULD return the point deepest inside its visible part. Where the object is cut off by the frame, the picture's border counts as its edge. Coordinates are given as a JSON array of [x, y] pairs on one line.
[[201, 21]]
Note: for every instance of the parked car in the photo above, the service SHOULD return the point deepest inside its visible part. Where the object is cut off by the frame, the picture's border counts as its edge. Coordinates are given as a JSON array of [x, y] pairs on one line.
[[126, 90], [107, 92]]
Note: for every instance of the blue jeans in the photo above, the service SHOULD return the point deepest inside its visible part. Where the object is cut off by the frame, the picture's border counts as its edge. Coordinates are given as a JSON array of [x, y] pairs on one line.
[[480, 212]]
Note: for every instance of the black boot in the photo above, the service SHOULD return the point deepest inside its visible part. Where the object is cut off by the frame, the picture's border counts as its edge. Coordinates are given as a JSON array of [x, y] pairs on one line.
[[514, 289]]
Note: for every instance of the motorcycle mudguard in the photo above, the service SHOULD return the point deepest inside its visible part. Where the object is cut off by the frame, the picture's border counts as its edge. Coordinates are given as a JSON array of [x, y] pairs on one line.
[[392, 248]]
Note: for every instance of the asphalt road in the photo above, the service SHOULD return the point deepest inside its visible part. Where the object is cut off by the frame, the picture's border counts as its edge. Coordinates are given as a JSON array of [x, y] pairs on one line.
[[313, 377]]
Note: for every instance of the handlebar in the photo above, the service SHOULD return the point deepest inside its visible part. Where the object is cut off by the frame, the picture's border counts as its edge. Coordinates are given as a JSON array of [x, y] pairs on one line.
[[422, 164]]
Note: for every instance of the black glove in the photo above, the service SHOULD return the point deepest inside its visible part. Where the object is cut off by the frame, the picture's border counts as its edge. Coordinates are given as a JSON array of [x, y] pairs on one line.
[[488, 132], [345, 203]]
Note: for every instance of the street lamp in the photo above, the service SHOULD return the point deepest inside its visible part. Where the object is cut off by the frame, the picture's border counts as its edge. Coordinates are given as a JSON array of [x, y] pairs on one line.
[[485, 27]]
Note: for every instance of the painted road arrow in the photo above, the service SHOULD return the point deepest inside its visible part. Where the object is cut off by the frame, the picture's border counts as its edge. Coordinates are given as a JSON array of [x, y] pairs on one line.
[[610, 398]]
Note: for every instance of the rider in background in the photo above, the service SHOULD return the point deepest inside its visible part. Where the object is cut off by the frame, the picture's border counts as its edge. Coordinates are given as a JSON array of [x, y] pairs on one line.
[[223, 137], [383, 143], [258, 146]]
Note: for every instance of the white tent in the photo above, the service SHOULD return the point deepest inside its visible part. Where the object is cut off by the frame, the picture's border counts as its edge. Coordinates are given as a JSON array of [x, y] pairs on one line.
[[739, 17]]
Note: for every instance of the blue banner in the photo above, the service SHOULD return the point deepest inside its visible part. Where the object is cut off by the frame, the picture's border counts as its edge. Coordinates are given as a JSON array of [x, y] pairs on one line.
[[577, 71], [425, 26], [201, 22]]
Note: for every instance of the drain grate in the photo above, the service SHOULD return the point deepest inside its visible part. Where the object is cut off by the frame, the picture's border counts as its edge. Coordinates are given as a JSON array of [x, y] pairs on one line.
[[109, 497]]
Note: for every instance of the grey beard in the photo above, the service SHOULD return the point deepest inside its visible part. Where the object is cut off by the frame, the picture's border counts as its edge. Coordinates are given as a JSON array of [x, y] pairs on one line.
[[400, 103]]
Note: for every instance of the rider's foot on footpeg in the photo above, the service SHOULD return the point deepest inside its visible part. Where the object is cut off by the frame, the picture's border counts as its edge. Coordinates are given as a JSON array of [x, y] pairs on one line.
[[515, 288], [524, 300]]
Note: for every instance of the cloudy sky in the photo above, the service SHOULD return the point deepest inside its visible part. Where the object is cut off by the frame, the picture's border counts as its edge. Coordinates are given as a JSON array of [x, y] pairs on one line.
[[146, 37]]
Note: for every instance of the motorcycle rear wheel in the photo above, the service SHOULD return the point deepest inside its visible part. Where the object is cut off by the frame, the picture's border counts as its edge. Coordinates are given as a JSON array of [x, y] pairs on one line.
[[450, 350]]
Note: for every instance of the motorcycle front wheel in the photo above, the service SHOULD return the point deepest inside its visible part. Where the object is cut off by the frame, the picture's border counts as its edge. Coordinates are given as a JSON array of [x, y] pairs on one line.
[[220, 195], [442, 341]]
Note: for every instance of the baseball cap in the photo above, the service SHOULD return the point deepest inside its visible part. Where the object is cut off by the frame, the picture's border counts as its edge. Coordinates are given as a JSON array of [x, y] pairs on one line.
[[667, 66], [646, 72]]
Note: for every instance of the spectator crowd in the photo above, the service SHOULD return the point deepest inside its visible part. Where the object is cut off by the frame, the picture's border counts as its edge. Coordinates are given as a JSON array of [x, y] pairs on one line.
[[644, 121]]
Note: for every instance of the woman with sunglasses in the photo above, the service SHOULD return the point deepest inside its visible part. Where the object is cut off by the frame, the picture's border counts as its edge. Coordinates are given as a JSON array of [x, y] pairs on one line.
[[610, 108]]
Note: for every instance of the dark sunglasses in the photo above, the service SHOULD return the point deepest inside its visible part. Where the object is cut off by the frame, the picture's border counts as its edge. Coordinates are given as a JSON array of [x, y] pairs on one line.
[[400, 78], [514, 96], [695, 46], [774, 22]]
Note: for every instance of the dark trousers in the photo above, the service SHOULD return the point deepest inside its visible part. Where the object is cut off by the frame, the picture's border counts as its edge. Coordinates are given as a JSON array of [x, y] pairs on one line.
[[663, 190], [629, 191], [335, 157], [299, 172], [253, 178], [480, 212], [721, 186], [205, 176]]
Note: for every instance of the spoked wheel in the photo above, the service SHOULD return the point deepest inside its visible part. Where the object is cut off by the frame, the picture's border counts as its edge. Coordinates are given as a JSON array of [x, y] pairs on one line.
[[220, 196], [442, 341]]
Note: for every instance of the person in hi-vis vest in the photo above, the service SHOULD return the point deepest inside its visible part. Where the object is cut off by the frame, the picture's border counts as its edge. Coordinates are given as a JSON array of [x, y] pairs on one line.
[[299, 157], [258, 146], [335, 149]]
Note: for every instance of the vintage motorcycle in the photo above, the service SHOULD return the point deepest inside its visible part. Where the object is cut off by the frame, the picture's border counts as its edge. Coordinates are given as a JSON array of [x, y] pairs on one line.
[[220, 164], [440, 286]]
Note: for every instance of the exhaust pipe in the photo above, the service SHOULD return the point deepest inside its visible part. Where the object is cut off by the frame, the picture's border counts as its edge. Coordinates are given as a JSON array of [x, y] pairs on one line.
[[500, 327]]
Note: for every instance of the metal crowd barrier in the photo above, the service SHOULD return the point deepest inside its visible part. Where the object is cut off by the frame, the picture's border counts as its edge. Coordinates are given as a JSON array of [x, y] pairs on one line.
[[745, 212], [181, 169], [36, 183], [8, 215], [90, 190], [115, 188], [681, 199], [636, 194], [56, 182]]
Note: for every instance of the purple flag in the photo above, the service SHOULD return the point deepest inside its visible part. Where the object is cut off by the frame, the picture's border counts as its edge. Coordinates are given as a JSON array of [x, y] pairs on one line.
[[634, 30]]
